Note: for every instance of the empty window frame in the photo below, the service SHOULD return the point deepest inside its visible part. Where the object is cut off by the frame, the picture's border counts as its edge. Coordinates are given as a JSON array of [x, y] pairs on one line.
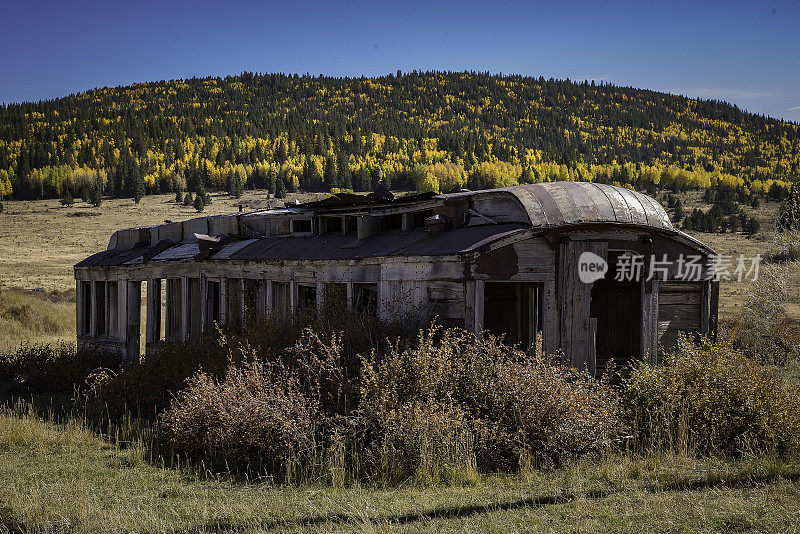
[[154, 306], [393, 222], [280, 298], [112, 310], [233, 301], [335, 299], [301, 226], [213, 302], [85, 325], [195, 319], [514, 310], [365, 297], [174, 313], [418, 219], [306, 299], [101, 313], [332, 225], [250, 298]]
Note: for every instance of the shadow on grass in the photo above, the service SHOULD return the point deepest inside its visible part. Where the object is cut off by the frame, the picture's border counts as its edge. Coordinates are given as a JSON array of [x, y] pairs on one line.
[[456, 512]]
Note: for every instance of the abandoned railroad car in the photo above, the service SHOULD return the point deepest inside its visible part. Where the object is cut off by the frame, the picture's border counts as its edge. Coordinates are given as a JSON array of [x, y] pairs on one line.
[[591, 271]]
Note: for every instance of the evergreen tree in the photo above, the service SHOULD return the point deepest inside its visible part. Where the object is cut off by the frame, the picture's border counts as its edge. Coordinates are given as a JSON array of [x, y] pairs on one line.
[[679, 213], [96, 197], [344, 178], [236, 186], [329, 177], [789, 218], [199, 203], [752, 226], [187, 200], [138, 187], [66, 198], [280, 190]]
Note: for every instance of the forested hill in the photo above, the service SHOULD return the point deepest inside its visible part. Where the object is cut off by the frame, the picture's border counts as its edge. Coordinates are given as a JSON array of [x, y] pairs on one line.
[[433, 131]]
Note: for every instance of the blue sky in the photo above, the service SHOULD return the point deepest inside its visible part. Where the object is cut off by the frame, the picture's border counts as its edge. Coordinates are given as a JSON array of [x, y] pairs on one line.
[[744, 52]]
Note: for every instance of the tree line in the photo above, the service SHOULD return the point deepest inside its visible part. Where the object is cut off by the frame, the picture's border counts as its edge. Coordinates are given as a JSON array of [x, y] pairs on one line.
[[436, 131]]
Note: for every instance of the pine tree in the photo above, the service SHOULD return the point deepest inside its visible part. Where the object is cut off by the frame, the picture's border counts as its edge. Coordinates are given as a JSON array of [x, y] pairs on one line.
[[329, 176], [187, 200], [280, 190], [199, 203], [752, 226], [138, 186], [236, 186], [789, 218], [66, 198], [96, 197], [178, 196]]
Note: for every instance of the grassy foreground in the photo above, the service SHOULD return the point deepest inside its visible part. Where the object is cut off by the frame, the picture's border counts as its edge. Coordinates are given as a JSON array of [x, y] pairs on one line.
[[66, 478]]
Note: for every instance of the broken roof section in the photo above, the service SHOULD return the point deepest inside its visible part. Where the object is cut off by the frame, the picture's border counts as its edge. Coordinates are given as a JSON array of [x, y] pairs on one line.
[[473, 216]]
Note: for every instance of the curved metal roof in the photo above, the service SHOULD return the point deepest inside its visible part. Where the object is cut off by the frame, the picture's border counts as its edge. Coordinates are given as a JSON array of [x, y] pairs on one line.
[[566, 203]]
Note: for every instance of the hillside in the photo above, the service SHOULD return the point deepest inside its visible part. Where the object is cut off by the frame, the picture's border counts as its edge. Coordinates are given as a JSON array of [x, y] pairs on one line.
[[431, 131]]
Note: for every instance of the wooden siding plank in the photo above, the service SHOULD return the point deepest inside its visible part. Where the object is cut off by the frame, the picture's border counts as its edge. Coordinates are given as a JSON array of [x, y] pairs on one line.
[[133, 301]]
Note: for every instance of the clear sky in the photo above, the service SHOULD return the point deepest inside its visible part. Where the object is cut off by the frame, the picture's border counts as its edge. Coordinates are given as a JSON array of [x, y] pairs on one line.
[[746, 52]]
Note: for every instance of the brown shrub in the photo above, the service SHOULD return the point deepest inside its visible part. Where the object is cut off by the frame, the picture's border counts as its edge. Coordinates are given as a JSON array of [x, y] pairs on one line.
[[257, 416], [43, 368], [711, 398], [145, 388], [511, 405]]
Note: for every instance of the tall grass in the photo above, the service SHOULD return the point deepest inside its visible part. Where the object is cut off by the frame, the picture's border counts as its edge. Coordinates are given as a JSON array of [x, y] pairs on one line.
[[65, 477], [35, 316]]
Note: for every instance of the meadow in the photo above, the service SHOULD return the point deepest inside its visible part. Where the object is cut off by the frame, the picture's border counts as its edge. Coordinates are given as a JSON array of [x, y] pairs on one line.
[[66, 478], [63, 470]]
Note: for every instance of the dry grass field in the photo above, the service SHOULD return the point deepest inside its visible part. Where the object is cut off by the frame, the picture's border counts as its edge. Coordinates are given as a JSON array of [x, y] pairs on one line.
[[41, 240], [734, 244]]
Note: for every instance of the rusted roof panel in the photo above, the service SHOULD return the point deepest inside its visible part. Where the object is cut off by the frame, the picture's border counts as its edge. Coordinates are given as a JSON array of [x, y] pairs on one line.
[[182, 251], [621, 213], [533, 205], [592, 208], [563, 203], [552, 212], [635, 207]]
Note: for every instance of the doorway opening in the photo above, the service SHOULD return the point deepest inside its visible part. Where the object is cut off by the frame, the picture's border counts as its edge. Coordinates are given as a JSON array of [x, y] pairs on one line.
[[616, 313]]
